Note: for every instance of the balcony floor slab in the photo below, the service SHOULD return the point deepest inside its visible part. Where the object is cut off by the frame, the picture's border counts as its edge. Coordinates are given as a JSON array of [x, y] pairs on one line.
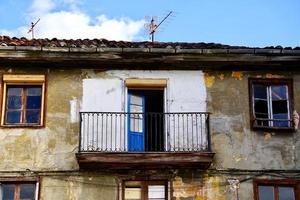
[[144, 160]]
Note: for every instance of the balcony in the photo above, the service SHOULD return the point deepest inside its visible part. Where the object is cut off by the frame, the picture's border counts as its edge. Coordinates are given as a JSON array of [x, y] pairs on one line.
[[144, 140]]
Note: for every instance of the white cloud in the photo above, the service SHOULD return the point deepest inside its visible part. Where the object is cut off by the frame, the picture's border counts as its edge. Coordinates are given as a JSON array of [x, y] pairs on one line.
[[72, 23], [39, 7]]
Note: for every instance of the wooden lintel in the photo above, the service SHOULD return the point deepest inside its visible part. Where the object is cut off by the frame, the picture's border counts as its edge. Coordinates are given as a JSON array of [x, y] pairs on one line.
[[23, 78], [146, 83]]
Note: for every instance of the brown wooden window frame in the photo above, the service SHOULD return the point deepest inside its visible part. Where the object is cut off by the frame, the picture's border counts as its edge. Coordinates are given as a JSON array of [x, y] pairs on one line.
[[24, 82], [18, 184], [268, 82], [144, 187], [276, 183]]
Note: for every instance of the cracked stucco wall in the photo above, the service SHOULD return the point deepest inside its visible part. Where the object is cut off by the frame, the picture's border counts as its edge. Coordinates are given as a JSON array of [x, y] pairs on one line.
[[54, 146], [228, 100], [226, 95]]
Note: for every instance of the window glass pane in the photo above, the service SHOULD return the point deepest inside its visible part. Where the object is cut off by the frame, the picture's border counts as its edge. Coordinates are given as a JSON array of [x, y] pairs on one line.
[[34, 91], [279, 107], [23, 104], [8, 191], [32, 116], [260, 91], [280, 111], [133, 193], [13, 117], [279, 92], [156, 192], [281, 123], [33, 102], [286, 193], [27, 191], [261, 106], [14, 91], [266, 192], [14, 102], [262, 122]]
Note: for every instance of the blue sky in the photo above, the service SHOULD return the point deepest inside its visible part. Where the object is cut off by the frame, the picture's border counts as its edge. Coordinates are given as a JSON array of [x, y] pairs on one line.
[[255, 23]]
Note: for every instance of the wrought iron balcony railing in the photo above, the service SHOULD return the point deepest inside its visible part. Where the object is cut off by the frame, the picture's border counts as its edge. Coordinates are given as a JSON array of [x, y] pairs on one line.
[[144, 132]]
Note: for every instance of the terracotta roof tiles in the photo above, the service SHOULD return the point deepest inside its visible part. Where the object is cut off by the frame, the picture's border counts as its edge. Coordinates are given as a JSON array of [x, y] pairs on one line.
[[103, 43]]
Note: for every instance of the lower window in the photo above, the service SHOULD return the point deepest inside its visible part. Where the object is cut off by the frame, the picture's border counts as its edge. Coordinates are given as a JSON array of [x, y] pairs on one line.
[[145, 190], [18, 191], [276, 189]]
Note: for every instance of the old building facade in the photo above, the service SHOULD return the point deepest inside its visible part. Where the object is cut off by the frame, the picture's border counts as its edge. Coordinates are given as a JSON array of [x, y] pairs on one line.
[[105, 120]]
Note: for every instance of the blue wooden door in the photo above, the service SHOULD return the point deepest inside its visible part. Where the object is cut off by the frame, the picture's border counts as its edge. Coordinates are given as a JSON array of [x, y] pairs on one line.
[[136, 124]]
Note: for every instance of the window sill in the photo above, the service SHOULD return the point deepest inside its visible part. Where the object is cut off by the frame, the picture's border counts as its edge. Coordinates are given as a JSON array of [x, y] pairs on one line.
[[33, 126], [274, 129]]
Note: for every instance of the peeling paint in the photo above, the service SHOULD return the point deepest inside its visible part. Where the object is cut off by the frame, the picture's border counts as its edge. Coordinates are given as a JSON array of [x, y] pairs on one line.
[[70, 191], [221, 77], [51, 144], [237, 75], [274, 76], [208, 189], [74, 110], [267, 136], [209, 80]]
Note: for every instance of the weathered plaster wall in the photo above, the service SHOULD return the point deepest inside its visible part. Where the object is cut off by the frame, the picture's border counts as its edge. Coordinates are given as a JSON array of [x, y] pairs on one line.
[[88, 187], [185, 91], [52, 147], [106, 92], [226, 95], [198, 187], [236, 146], [188, 186]]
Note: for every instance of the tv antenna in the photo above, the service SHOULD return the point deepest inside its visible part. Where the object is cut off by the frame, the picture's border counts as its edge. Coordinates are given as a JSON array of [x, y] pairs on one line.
[[32, 28], [152, 26]]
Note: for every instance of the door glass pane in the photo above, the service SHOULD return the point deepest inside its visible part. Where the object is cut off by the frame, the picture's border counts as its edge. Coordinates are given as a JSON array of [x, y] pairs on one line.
[[286, 193], [266, 192], [136, 100], [136, 122], [156, 192], [136, 109], [8, 191]]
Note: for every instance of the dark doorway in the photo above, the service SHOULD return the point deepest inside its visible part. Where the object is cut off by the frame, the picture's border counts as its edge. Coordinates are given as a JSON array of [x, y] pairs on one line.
[[153, 118]]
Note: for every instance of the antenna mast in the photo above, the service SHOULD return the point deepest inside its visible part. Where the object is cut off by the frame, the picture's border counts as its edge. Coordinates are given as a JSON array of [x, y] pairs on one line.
[[32, 28], [153, 27]]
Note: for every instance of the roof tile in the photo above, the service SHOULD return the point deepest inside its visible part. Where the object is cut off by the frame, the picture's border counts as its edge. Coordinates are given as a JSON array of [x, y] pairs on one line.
[[103, 43]]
